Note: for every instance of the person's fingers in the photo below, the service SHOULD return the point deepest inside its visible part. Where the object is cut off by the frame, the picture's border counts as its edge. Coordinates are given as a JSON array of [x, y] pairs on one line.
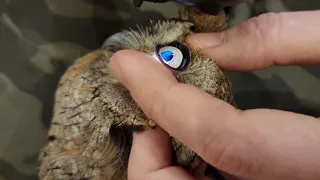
[[150, 158], [288, 38], [258, 144]]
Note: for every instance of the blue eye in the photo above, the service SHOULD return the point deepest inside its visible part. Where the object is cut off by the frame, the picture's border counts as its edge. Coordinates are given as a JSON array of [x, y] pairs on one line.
[[175, 56], [166, 55]]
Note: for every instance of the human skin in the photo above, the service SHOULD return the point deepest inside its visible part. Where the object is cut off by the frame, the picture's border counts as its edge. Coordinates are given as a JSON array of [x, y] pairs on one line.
[[260, 144]]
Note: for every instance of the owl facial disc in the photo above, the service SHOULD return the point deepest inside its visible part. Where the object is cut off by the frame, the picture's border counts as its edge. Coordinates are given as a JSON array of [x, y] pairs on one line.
[[175, 56]]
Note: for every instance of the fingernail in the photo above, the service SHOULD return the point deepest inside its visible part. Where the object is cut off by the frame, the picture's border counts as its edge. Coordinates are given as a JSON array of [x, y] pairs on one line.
[[123, 64], [126, 66], [115, 67], [204, 40]]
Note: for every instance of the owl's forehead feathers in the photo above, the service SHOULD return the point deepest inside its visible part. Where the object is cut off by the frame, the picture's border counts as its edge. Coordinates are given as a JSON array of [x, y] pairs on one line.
[[159, 32]]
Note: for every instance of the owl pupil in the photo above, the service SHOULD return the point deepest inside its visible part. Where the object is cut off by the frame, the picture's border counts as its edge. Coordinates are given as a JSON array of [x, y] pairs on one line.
[[166, 55]]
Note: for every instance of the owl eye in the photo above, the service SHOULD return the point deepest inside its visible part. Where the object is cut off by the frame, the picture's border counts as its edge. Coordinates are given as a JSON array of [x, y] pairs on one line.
[[174, 55]]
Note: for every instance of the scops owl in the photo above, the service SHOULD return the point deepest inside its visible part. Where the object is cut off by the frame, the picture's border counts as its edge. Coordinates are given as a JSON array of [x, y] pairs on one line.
[[95, 116]]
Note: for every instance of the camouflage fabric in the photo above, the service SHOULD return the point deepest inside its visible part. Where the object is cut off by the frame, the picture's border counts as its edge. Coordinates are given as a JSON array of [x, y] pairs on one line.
[[39, 38]]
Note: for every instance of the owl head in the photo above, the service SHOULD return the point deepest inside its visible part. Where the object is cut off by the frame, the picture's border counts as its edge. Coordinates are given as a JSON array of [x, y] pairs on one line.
[[165, 42]]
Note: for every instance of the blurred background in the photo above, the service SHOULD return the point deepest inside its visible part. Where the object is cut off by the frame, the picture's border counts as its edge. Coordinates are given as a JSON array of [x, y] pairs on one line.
[[38, 38]]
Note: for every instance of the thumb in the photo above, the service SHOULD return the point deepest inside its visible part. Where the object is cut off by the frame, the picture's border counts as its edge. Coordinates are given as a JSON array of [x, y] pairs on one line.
[[290, 38]]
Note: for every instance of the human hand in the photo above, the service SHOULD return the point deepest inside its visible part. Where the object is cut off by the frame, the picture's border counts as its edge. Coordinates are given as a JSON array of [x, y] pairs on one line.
[[259, 144], [290, 38]]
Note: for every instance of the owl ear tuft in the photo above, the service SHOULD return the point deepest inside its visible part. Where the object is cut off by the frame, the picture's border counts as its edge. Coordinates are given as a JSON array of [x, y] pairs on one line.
[[115, 42]]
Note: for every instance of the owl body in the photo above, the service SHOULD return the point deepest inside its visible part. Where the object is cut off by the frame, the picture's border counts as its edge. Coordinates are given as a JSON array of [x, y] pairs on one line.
[[94, 115]]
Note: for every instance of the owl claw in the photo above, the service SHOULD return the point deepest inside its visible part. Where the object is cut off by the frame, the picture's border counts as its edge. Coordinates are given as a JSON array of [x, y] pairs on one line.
[[152, 123], [146, 123]]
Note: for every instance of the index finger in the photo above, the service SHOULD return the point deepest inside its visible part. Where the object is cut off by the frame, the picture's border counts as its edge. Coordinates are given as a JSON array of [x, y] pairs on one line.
[[287, 38]]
